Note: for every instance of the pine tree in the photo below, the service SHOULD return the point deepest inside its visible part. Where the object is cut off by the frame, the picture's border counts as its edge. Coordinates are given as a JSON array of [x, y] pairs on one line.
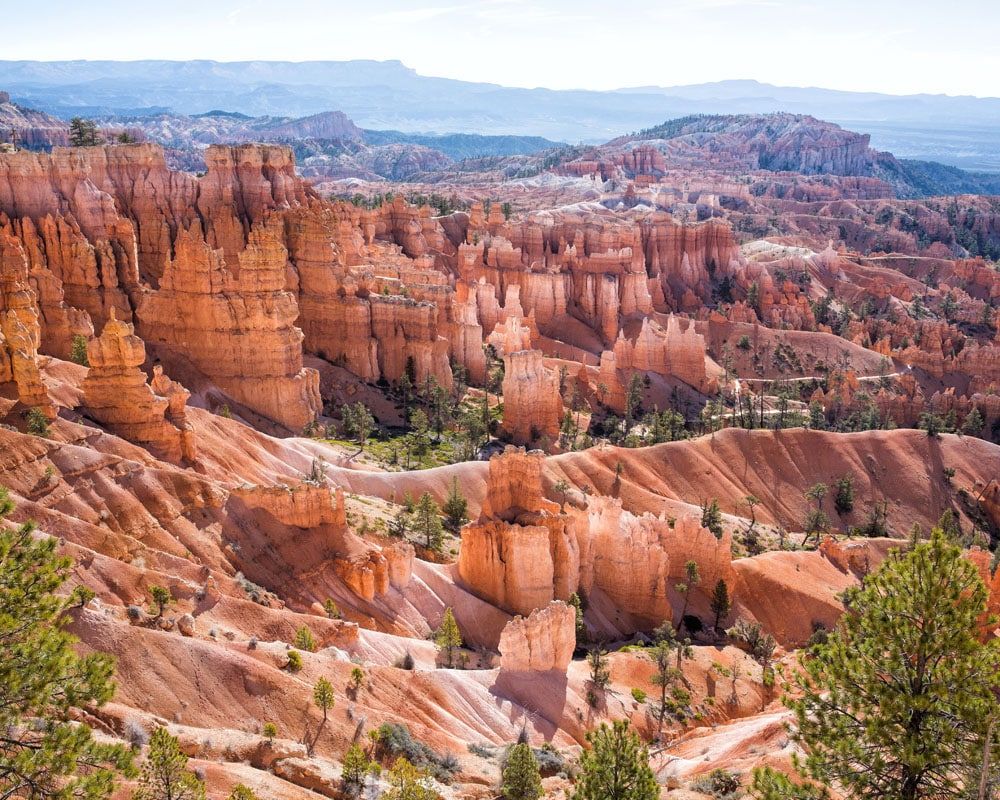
[[455, 508], [692, 577], [358, 422], [165, 775], [843, 498], [721, 604], [711, 518], [561, 488], [83, 132], [427, 523], [448, 637], [615, 767], [43, 754], [324, 698], [242, 792], [161, 596], [769, 784], [666, 675], [973, 423], [355, 766], [521, 779], [901, 694], [581, 627], [406, 782], [817, 520], [78, 351], [400, 524], [600, 674], [304, 639]]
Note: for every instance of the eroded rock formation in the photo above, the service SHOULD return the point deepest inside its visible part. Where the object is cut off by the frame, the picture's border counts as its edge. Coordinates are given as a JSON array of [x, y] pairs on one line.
[[116, 394], [541, 642], [19, 329], [532, 403]]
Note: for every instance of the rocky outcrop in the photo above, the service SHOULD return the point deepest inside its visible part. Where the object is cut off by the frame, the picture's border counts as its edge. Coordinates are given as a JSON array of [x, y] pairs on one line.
[[675, 351], [25, 127], [636, 561], [116, 394], [20, 332], [521, 553], [237, 327], [310, 519], [532, 403], [541, 642]]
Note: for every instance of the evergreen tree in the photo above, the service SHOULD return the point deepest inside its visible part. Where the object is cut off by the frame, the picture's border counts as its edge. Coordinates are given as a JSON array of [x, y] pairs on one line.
[[817, 417], [900, 696], [242, 792], [816, 521], [615, 767], [692, 577], [769, 784], [356, 766], [455, 508], [42, 754], [711, 518], [358, 422], [406, 782], [561, 488], [324, 698], [448, 637], [78, 351], [521, 779], [600, 675], [427, 523], [666, 675], [721, 604], [843, 498], [633, 401], [83, 133], [420, 434], [400, 524], [161, 596], [581, 626], [165, 775], [973, 423], [304, 639]]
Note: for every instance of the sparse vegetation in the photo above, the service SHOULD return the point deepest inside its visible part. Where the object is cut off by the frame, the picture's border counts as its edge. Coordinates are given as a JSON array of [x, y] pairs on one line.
[[615, 766], [165, 775], [448, 637]]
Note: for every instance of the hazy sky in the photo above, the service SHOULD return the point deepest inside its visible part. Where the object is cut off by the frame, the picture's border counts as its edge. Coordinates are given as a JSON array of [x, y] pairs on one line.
[[896, 46]]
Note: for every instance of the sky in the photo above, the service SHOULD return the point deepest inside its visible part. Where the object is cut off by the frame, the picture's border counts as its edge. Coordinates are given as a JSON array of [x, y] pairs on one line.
[[892, 46]]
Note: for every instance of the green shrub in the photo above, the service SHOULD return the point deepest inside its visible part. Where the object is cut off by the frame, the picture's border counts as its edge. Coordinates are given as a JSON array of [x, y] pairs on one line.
[[396, 741], [294, 661], [78, 351], [304, 639], [720, 783], [638, 695], [37, 422]]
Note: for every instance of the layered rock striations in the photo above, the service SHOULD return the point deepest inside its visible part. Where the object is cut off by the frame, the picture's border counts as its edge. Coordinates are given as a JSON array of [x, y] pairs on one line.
[[237, 328], [305, 524], [672, 351], [116, 394], [532, 403], [541, 642], [20, 332], [521, 553]]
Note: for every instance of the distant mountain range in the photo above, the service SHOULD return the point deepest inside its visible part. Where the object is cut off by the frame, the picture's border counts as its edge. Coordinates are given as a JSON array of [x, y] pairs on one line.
[[960, 131]]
